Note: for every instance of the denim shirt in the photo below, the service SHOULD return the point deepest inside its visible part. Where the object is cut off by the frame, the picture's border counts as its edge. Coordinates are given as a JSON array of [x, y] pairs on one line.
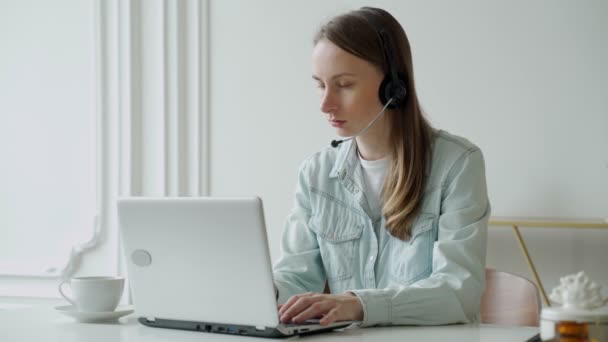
[[436, 277]]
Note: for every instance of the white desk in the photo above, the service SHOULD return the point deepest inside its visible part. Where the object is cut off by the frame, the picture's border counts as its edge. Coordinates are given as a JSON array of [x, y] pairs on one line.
[[41, 324]]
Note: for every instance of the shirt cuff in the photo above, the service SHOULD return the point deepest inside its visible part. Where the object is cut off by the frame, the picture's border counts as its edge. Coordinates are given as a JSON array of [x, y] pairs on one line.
[[377, 307]]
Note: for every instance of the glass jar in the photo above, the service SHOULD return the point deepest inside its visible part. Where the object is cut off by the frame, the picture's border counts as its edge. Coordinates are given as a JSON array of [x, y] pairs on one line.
[[560, 325]]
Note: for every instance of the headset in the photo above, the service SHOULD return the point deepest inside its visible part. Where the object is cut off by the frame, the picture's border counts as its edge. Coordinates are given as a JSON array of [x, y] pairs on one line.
[[393, 88], [394, 84]]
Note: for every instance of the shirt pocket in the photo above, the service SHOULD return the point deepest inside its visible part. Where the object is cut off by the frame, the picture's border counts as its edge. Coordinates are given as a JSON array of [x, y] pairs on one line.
[[338, 232], [412, 260]]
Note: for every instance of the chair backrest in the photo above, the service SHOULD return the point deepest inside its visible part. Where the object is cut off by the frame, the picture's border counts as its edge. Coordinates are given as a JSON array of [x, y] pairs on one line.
[[509, 300]]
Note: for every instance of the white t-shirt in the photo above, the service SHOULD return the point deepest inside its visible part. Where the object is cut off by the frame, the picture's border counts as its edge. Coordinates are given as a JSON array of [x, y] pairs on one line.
[[374, 173]]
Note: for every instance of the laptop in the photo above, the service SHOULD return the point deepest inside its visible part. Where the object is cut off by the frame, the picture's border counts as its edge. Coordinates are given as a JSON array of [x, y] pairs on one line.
[[203, 264]]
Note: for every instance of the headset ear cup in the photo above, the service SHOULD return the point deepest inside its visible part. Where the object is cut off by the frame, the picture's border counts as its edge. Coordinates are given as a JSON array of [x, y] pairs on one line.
[[395, 89], [384, 91]]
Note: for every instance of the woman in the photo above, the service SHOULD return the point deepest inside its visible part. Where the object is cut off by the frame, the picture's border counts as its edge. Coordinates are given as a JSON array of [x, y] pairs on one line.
[[395, 219]]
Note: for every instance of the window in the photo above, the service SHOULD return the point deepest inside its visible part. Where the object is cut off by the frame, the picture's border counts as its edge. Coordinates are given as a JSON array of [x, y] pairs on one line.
[[48, 173], [98, 99]]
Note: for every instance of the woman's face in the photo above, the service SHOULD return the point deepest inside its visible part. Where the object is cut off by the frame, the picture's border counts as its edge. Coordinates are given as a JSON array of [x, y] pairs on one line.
[[348, 86]]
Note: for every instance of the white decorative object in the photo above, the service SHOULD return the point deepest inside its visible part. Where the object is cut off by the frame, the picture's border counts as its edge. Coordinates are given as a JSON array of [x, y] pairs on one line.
[[577, 291], [581, 303]]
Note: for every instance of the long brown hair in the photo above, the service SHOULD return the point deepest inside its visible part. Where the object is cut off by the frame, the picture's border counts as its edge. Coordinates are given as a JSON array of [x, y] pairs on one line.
[[410, 137]]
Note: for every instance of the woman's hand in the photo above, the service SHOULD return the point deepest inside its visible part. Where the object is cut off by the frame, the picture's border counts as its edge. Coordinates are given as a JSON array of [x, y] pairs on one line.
[[329, 307]]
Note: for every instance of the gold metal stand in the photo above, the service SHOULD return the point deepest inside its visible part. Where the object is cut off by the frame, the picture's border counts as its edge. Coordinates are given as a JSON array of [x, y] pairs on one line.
[[516, 222]]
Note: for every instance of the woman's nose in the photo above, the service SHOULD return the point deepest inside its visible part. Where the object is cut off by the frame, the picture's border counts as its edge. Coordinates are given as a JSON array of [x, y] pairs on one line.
[[328, 102]]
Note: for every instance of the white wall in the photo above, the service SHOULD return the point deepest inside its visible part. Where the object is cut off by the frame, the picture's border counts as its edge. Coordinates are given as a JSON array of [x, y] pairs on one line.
[[526, 81]]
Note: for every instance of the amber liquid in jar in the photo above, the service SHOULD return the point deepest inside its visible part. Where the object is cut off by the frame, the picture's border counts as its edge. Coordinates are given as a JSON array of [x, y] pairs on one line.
[[569, 331]]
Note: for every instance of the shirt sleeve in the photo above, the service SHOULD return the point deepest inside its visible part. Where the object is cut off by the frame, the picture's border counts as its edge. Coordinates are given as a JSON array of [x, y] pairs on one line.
[[452, 293], [300, 268]]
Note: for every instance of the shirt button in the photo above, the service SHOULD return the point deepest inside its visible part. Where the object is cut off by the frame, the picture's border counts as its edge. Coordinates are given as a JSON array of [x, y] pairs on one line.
[[356, 190]]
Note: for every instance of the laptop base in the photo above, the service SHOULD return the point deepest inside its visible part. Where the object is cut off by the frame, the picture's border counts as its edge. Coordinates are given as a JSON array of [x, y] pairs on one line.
[[231, 329]]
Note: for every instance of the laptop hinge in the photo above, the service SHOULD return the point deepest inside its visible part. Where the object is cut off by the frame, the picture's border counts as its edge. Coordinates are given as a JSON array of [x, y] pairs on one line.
[[150, 319]]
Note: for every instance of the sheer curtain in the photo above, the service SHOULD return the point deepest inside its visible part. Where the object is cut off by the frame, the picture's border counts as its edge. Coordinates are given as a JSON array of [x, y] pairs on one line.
[[98, 99], [48, 134]]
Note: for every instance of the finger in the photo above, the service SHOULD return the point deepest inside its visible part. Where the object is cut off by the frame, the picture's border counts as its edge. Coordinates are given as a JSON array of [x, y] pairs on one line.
[[315, 310], [292, 300], [300, 305], [288, 303], [331, 317]]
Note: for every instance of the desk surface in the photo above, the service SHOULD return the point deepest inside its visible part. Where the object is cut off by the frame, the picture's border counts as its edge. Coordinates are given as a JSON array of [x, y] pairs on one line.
[[44, 324]]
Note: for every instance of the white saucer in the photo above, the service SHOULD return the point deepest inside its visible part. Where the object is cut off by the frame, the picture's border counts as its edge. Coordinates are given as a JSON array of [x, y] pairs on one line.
[[89, 317]]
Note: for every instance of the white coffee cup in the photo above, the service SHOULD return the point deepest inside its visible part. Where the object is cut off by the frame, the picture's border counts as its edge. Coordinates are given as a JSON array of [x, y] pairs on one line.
[[94, 294]]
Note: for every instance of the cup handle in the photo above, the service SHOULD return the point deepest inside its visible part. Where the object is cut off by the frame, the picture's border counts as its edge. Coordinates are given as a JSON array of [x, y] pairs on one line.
[[63, 294]]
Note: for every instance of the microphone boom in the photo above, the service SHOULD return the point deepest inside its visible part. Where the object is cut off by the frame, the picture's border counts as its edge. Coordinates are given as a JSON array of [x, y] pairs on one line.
[[336, 143]]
